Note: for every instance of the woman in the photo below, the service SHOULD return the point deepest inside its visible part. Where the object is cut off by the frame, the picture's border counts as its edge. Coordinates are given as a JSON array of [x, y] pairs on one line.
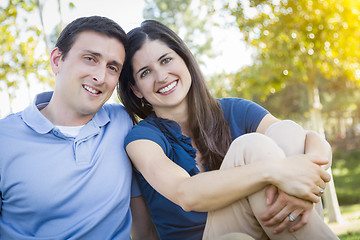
[[187, 135]]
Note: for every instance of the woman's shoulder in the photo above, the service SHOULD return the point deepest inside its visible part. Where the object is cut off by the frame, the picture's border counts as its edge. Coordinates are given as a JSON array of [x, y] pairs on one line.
[[234, 101], [147, 130], [230, 105]]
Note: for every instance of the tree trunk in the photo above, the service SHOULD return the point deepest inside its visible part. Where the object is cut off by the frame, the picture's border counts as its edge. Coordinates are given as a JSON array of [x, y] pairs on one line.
[[330, 198], [40, 7]]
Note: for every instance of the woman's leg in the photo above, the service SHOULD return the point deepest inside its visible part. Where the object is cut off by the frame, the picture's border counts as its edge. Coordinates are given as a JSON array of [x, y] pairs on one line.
[[242, 216], [239, 216], [235, 236], [293, 144]]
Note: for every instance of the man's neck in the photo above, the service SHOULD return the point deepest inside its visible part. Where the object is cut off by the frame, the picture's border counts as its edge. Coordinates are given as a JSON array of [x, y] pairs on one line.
[[61, 117]]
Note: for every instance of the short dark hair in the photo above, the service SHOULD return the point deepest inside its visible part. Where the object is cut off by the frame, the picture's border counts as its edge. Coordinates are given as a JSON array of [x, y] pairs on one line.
[[94, 23]]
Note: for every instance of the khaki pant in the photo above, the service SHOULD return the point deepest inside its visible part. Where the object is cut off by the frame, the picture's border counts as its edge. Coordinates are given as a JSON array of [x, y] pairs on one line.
[[242, 216]]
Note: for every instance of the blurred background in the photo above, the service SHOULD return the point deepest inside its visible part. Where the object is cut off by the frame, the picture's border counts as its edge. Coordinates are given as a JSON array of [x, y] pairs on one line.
[[300, 59]]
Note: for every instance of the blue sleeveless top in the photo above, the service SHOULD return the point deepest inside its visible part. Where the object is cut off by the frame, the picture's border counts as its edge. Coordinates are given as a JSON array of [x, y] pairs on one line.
[[170, 220]]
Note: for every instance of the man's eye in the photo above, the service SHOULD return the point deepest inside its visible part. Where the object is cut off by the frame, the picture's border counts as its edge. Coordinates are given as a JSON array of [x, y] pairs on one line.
[[114, 69], [144, 73], [91, 59]]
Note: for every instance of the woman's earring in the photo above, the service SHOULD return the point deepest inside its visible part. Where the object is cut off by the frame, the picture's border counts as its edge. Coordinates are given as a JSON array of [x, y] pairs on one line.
[[145, 103], [142, 102]]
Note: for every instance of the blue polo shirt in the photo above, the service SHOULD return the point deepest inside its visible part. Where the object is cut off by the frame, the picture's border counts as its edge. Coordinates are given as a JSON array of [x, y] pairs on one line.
[[58, 187], [171, 221]]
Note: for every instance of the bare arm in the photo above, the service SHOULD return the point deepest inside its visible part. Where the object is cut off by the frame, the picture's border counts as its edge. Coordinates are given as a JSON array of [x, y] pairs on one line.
[[142, 227], [218, 186], [175, 183]]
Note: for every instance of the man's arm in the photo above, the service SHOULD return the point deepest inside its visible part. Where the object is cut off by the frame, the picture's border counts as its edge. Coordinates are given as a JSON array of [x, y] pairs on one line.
[[142, 226]]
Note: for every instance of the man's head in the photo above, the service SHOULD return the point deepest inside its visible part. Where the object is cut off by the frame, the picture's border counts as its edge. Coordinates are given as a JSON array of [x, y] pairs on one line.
[[87, 62], [94, 23]]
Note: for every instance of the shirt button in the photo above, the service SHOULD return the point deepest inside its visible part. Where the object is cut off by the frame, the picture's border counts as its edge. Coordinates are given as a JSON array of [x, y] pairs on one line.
[[56, 132]]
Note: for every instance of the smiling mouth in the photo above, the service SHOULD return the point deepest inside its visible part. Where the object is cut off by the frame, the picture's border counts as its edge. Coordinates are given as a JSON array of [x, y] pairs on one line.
[[91, 90], [169, 87]]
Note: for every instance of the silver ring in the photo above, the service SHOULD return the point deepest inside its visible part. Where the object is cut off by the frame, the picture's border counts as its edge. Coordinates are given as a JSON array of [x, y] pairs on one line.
[[291, 217], [321, 192]]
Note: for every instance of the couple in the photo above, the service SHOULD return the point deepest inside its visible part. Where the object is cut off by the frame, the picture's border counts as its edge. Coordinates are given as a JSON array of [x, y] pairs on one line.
[[65, 173]]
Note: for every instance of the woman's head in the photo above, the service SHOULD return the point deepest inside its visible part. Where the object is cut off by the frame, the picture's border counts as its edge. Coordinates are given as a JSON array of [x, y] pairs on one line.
[[151, 30], [205, 117], [161, 77]]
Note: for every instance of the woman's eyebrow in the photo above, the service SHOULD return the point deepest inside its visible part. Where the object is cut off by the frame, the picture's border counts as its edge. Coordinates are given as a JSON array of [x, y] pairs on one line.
[[162, 56]]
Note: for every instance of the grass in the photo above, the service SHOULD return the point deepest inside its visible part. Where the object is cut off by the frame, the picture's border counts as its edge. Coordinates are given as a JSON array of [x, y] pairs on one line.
[[346, 174], [350, 236], [349, 229]]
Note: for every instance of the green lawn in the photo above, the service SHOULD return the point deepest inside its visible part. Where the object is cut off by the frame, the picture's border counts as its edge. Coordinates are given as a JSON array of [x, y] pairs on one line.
[[350, 228], [346, 174], [350, 236]]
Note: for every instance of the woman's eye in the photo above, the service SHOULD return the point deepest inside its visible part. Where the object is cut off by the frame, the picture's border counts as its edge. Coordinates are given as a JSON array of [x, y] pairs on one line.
[[144, 73], [166, 60]]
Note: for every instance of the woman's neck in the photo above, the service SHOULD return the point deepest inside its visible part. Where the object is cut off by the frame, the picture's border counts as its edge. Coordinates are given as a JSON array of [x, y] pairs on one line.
[[179, 115]]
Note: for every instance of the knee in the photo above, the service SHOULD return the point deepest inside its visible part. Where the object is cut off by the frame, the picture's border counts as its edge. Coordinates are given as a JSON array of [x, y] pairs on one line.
[[253, 141], [289, 135], [256, 147]]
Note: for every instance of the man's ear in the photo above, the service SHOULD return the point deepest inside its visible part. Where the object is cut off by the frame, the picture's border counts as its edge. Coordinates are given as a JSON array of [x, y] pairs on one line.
[[55, 59], [136, 91]]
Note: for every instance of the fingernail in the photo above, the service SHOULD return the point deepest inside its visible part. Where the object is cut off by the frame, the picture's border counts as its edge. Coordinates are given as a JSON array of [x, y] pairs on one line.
[[267, 201], [274, 232]]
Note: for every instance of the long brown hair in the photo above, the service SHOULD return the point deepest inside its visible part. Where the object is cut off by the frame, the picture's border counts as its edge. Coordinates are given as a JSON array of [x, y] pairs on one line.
[[207, 123]]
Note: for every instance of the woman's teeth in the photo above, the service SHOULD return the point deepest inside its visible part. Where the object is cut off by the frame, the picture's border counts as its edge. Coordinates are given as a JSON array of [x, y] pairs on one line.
[[168, 88]]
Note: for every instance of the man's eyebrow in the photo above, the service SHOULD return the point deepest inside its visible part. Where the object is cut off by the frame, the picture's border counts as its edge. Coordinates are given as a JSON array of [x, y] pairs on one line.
[[114, 62], [93, 53], [147, 66]]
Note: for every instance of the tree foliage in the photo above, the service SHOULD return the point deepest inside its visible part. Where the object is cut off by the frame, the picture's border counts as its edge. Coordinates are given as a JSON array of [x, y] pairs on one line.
[[190, 19], [311, 43], [24, 46], [19, 40]]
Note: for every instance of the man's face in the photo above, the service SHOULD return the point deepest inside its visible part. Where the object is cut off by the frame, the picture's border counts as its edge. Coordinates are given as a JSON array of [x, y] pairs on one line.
[[87, 76]]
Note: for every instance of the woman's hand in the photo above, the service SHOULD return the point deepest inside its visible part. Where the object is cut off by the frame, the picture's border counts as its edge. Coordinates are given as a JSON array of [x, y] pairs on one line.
[[281, 205], [302, 177]]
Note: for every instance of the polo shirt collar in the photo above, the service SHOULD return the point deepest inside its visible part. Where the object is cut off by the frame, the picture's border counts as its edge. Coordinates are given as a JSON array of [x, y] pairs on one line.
[[101, 118], [32, 116], [39, 123]]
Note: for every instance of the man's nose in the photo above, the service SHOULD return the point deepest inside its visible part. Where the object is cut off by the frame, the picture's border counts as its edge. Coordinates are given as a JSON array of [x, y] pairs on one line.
[[99, 74]]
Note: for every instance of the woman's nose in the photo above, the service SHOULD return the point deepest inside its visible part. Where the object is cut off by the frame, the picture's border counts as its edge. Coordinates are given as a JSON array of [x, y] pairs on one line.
[[161, 75]]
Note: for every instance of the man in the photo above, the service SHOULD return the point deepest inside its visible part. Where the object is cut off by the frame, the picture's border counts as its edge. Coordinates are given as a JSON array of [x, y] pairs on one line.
[[64, 173]]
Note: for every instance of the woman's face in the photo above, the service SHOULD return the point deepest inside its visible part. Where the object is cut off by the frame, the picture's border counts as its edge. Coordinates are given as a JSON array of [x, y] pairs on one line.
[[161, 76]]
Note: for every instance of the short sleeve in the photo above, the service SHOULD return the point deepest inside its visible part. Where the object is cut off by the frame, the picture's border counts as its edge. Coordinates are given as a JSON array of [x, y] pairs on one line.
[[140, 132], [243, 116]]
